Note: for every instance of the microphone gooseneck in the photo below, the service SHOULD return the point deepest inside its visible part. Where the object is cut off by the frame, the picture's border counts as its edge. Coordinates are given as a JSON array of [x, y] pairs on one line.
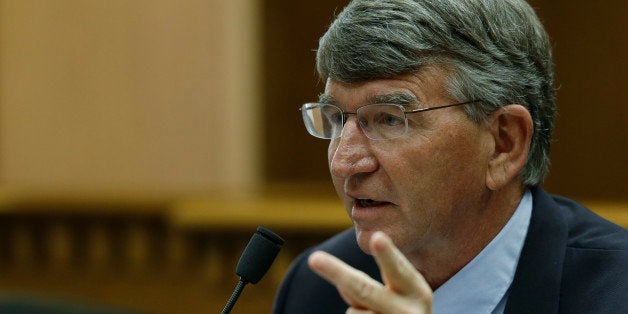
[[255, 261], [234, 297]]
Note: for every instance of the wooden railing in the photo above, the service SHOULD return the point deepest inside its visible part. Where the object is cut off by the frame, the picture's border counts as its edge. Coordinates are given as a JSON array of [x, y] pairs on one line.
[[149, 253], [160, 254]]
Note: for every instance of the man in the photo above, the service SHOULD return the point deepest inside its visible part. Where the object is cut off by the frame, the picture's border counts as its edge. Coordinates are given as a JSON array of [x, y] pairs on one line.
[[439, 115]]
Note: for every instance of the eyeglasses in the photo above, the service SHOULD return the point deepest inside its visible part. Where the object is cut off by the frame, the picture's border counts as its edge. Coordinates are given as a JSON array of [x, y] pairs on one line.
[[377, 121]]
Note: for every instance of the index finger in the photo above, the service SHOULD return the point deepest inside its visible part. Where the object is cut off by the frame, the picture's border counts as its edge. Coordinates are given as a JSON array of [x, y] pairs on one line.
[[356, 287], [397, 271]]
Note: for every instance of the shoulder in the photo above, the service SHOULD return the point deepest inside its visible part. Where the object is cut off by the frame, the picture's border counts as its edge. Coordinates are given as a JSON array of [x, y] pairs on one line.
[[586, 230], [595, 264], [302, 291]]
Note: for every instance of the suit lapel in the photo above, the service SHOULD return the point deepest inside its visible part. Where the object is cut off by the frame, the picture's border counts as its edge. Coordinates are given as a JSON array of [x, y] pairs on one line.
[[536, 286]]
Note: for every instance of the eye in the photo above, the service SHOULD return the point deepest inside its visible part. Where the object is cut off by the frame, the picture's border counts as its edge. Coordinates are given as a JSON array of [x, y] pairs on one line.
[[390, 120], [336, 118], [333, 115]]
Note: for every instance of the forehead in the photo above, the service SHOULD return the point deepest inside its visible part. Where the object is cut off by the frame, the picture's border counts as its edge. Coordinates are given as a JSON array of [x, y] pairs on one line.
[[421, 87]]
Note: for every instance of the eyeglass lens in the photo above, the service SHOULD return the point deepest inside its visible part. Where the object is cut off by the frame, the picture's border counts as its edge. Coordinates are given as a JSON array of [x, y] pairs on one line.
[[378, 121]]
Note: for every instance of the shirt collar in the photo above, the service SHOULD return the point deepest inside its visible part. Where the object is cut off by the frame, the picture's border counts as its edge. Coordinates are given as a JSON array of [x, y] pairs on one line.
[[484, 281]]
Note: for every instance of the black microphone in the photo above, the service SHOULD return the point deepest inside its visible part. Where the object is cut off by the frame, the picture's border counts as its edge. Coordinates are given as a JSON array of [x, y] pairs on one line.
[[255, 261]]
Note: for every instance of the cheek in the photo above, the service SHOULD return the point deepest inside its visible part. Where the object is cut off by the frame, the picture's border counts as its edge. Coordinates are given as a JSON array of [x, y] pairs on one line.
[[461, 164], [331, 150], [450, 162]]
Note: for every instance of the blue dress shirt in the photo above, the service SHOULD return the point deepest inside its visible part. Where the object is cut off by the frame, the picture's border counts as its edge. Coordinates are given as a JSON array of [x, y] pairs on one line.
[[482, 285]]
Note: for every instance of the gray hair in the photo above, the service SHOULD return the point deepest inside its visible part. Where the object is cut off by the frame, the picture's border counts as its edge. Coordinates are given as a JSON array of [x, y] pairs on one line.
[[496, 51]]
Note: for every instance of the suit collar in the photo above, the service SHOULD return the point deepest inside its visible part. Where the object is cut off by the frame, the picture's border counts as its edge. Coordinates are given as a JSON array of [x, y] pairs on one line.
[[536, 286]]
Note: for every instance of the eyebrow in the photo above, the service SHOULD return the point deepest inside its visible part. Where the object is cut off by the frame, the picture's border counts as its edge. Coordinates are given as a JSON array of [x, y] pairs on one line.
[[398, 98], [325, 98]]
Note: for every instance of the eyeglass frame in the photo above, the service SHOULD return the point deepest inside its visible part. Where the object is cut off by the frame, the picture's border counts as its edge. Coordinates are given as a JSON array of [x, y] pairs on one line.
[[405, 116]]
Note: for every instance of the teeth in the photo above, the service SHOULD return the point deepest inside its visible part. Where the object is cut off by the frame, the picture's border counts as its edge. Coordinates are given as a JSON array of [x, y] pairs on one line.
[[368, 202]]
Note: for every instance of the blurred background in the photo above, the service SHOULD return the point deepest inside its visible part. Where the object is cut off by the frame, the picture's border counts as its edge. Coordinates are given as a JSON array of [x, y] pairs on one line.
[[142, 142]]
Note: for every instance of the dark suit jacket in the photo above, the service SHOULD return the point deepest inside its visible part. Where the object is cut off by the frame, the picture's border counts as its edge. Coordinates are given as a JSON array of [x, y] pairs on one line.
[[572, 261]]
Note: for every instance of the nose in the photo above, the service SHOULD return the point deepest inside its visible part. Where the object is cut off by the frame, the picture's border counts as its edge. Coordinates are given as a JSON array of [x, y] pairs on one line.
[[351, 153]]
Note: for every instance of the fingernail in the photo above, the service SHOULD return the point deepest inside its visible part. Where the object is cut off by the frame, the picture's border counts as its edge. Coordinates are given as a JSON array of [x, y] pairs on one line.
[[380, 235], [379, 240], [316, 260]]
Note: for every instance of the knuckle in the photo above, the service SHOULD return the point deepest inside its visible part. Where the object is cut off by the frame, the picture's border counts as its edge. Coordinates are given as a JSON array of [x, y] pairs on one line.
[[363, 290], [402, 270], [424, 305], [413, 308]]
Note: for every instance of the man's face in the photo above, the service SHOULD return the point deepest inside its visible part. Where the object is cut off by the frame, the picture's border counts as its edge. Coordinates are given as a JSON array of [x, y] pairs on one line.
[[425, 189]]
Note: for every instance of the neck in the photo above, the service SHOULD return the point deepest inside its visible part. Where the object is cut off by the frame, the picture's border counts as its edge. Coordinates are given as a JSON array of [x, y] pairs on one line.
[[448, 255]]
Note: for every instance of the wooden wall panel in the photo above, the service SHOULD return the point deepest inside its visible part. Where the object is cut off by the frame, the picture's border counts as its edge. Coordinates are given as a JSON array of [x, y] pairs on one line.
[[290, 35], [590, 151], [129, 94]]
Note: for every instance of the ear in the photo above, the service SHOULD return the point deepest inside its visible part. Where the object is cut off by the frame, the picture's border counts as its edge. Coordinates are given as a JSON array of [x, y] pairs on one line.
[[511, 129]]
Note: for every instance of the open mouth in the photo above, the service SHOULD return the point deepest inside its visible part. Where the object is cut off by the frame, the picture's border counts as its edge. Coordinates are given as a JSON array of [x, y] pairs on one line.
[[367, 202]]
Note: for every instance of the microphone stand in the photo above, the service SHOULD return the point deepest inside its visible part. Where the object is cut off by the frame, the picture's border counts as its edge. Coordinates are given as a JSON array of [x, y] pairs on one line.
[[234, 296]]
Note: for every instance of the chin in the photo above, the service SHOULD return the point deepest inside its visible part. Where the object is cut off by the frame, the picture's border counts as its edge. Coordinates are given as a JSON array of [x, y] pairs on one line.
[[363, 237]]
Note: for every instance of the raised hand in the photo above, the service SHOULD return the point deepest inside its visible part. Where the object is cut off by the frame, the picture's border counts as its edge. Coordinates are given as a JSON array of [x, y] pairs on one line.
[[404, 289]]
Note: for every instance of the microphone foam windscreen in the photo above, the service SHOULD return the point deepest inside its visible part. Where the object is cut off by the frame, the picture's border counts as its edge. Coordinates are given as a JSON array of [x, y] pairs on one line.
[[258, 255]]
